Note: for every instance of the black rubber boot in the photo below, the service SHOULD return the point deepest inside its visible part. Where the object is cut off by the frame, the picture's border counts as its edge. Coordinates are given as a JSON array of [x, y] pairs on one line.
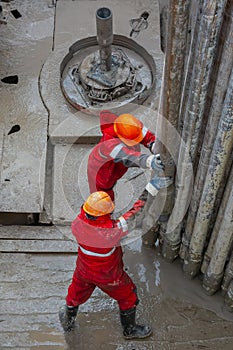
[[67, 316], [132, 330]]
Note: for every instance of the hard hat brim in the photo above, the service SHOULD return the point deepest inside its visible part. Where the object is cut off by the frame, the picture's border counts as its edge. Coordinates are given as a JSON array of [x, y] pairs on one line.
[[129, 142]]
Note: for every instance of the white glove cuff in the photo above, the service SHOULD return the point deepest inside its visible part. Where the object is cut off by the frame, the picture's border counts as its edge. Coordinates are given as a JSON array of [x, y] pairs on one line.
[[151, 189], [153, 148], [149, 161], [123, 224]]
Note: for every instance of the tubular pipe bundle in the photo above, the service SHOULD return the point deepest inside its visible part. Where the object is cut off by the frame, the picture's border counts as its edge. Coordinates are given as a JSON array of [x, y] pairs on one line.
[[170, 96], [225, 56], [204, 54], [213, 276], [217, 172], [212, 16]]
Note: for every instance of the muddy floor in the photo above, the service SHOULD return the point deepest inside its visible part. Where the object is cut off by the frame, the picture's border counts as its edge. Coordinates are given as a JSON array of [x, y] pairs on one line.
[[33, 287]]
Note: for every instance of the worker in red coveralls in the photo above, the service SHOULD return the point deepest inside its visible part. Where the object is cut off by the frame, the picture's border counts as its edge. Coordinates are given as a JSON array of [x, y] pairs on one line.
[[119, 149], [99, 264]]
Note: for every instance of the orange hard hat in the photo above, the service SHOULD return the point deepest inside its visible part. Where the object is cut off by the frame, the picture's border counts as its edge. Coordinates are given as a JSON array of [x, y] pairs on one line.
[[128, 129], [98, 204]]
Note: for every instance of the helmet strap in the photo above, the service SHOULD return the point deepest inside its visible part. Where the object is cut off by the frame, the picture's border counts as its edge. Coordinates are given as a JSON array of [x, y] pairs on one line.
[[91, 217]]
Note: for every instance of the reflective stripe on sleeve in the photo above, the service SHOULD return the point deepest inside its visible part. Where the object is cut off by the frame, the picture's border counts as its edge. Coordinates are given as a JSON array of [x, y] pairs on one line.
[[101, 154], [144, 131], [88, 252], [116, 150]]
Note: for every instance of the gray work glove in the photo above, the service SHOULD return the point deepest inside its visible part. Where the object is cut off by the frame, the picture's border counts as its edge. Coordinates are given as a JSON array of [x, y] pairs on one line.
[[158, 183], [154, 162]]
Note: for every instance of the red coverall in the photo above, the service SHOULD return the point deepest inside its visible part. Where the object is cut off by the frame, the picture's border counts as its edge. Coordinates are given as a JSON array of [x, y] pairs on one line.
[[99, 262], [111, 158]]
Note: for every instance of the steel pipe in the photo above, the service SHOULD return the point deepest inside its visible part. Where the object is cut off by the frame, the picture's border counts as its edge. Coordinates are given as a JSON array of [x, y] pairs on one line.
[[229, 296], [173, 75], [218, 171], [205, 49], [195, 22], [228, 275], [223, 245], [222, 70], [104, 37]]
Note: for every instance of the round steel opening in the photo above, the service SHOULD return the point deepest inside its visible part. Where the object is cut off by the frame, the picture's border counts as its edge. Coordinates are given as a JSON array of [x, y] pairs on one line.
[[106, 71]]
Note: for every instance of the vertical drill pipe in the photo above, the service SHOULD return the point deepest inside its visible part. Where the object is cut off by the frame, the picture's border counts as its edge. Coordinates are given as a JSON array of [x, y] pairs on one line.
[[228, 275], [215, 271], [195, 22], [171, 93], [229, 296], [221, 158], [217, 228], [205, 51], [104, 37], [222, 69]]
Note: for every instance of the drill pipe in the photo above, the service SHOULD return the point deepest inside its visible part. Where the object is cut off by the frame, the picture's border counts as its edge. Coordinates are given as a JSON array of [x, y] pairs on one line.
[[104, 37], [169, 101], [215, 271], [205, 50], [228, 275], [222, 69], [218, 170], [229, 296]]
